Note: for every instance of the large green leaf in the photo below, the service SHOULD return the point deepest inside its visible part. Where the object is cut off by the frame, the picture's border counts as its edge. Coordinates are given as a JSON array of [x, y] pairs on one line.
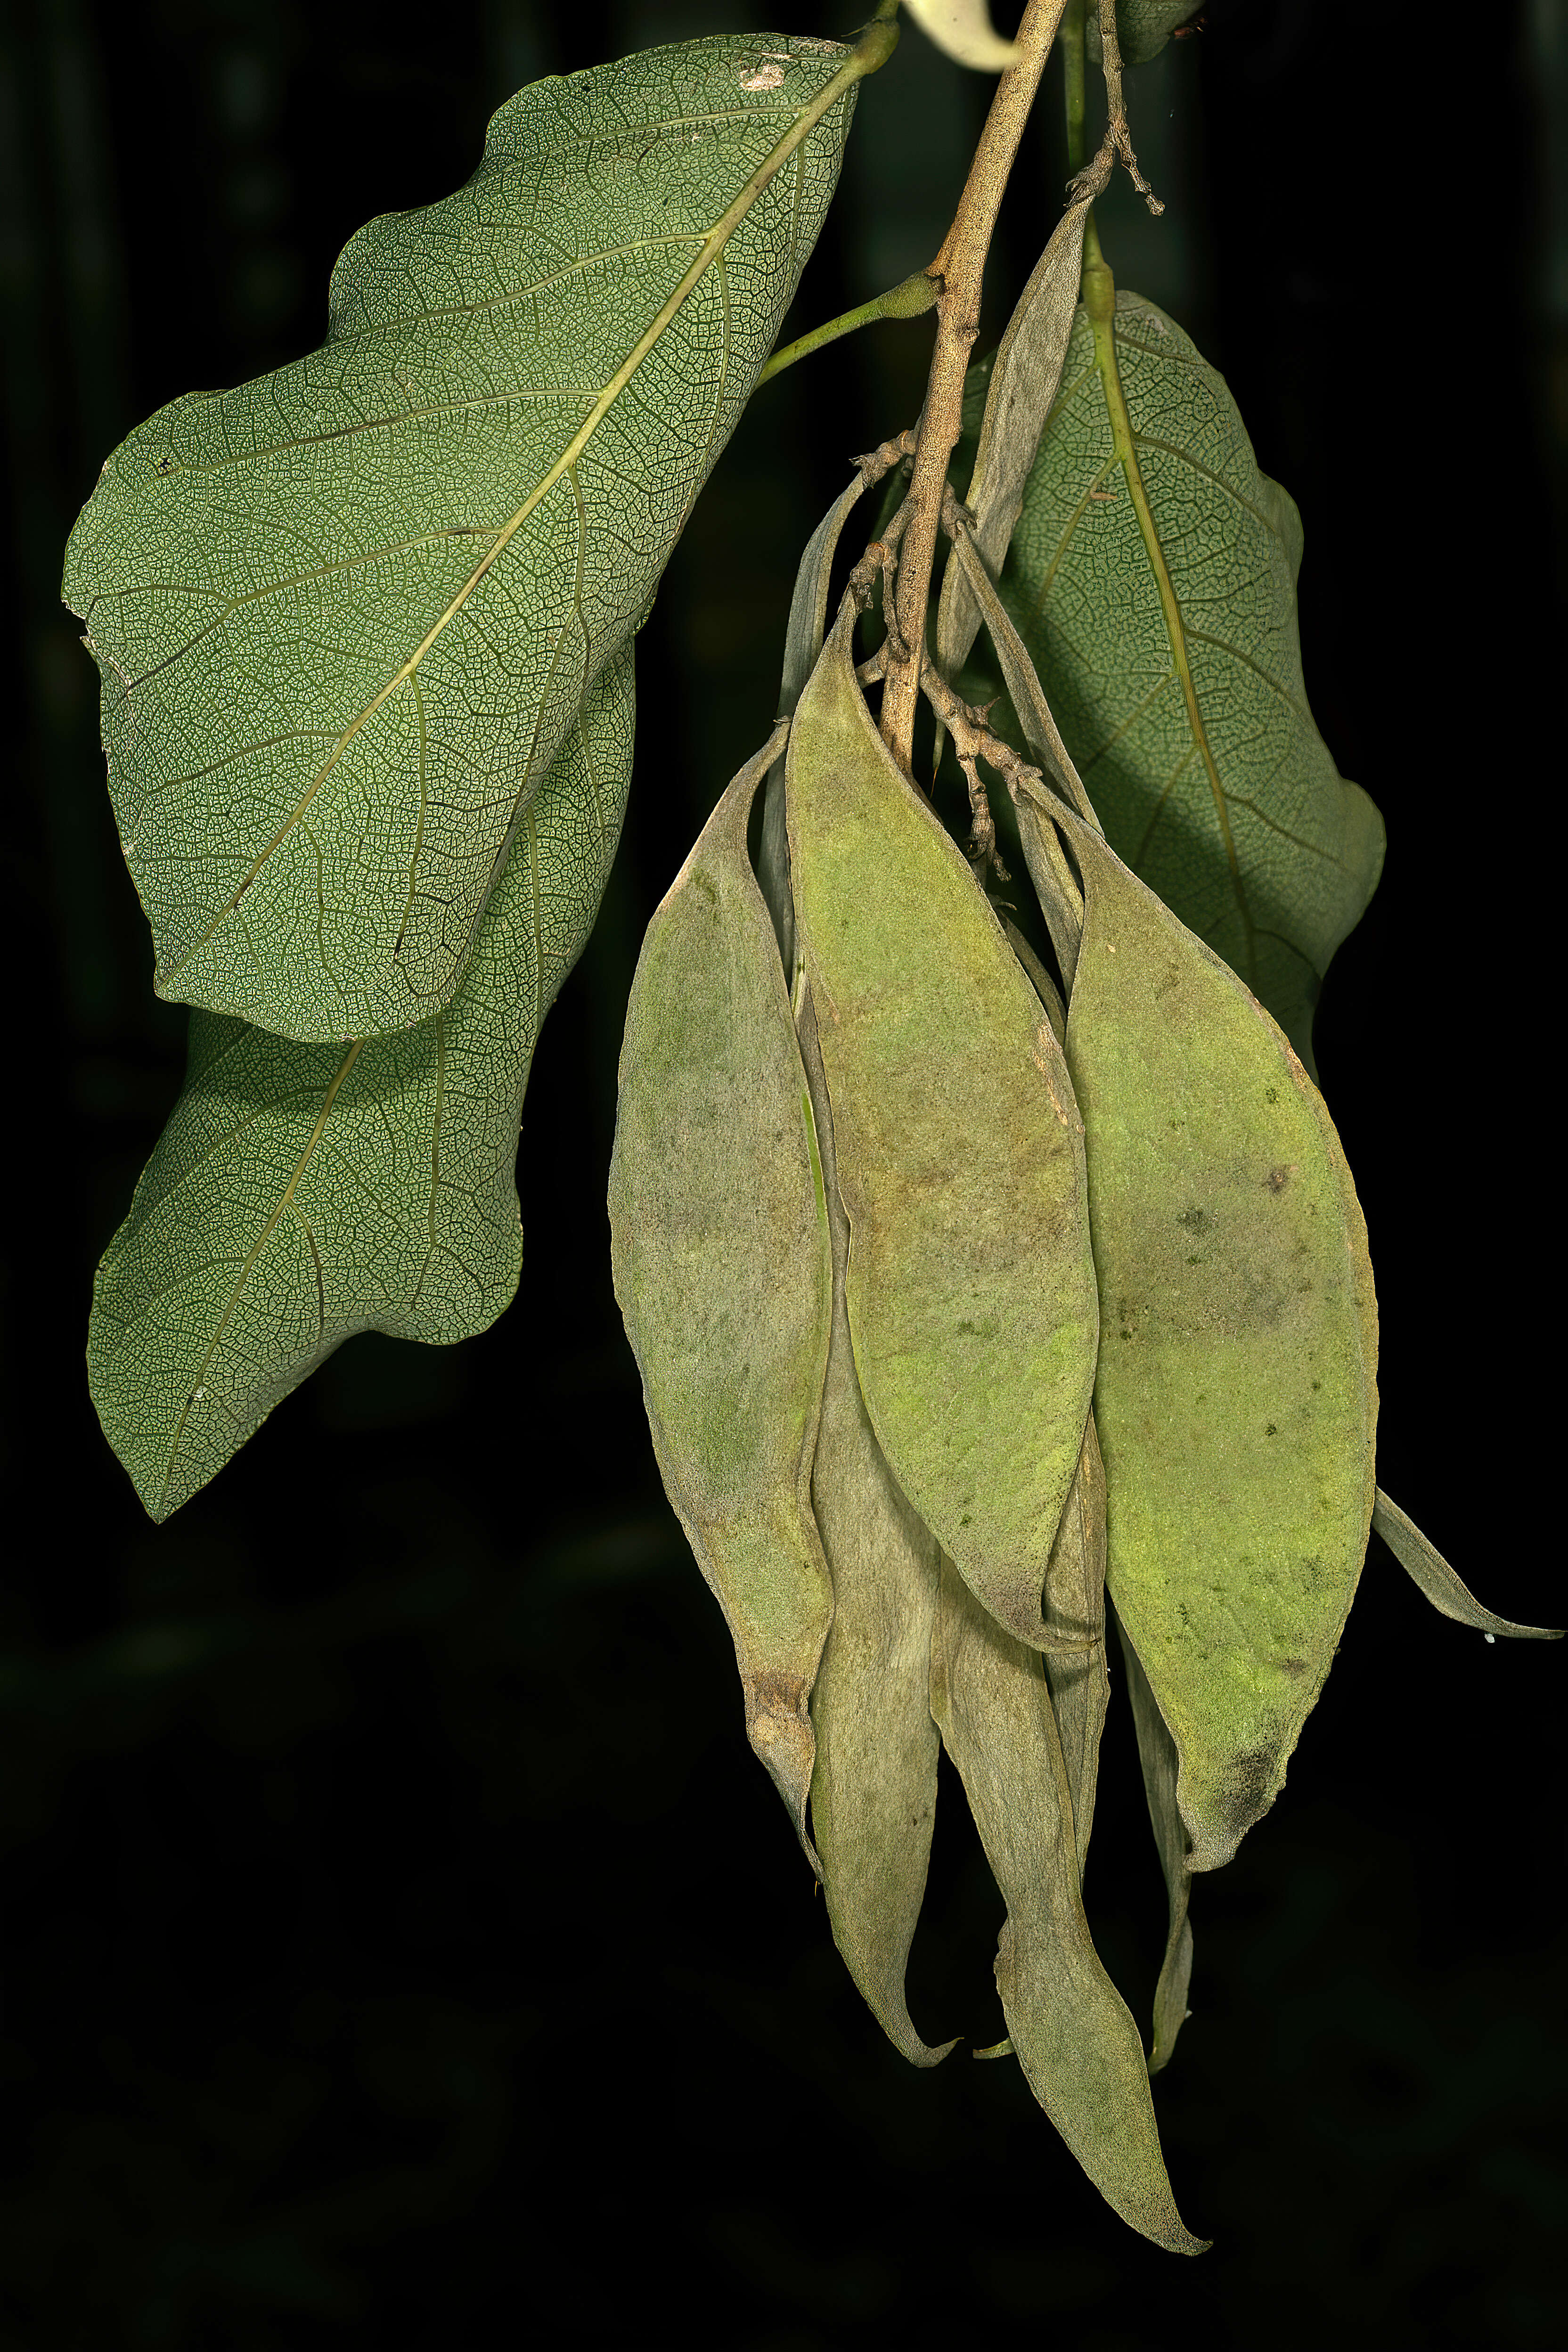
[[1153, 578], [345, 613], [301, 1193]]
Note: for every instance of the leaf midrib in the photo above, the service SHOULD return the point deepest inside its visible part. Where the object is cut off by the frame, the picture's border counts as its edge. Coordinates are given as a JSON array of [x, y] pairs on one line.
[[414, 319], [1284, 693], [852, 71], [1125, 452], [344, 1067]]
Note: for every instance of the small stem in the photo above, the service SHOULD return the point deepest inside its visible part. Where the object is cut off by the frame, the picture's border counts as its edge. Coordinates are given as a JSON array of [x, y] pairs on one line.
[[1120, 136], [1071, 38], [973, 740], [961, 265], [905, 300], [881, 556]]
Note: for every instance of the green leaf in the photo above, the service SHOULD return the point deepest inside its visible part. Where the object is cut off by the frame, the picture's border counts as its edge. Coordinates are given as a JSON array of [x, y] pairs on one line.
[[301, 1193], [971, 1287], [1143, 28], [873, 1791], [1068, 2025], [1235, 1397], [346, 613], [724, 1270], [1153, 578]]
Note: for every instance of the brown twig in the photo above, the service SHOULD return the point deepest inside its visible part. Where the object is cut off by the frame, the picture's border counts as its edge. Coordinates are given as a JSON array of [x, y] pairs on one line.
[[882, 557], [968, 724], [961, 265], [881, 460], [1118, 135]]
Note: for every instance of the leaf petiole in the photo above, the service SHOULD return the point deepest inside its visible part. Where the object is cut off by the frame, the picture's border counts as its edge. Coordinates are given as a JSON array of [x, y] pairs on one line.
[[907, 300]]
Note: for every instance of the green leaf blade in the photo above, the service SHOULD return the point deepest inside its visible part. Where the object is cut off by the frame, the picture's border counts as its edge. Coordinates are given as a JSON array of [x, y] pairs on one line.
[[1181, 698], [301, 1193], [345, 614], [874, 1784]]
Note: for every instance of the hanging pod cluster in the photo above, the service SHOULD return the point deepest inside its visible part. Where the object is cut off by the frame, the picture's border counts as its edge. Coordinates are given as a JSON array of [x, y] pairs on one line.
[[957, 1311]]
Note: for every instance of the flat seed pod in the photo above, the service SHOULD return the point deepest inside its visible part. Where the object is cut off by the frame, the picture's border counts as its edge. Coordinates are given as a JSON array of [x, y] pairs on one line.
[[1075, 1611], [344, 614], [873, 1791], [803, 644], [1075, 1573], [724, 1271], [1426, 1565], [971, 1287], [1022, 377], [1157, 1753], [1237, 1397], [1068, 2025]]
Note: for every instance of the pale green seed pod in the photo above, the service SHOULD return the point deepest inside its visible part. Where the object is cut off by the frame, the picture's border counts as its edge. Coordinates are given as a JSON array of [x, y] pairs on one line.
[[873, 1792], [1075, 1613], [1075, 1574], [1237, 1397], [1070, 2027], [1157, 1754], [724, 1270], [970, 1288]]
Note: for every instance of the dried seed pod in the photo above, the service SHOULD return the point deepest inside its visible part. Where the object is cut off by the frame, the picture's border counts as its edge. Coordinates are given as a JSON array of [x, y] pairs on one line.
[[1070, 2027], [1075, 1611], [971, 1288], [1426, 1566], [1157, 1753], [723, 1272], [1237, 1397], [873, 1791], [1075, 1573]]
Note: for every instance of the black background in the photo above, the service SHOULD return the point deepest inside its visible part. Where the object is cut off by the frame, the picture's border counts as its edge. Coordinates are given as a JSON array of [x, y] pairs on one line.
[[399, 1937]]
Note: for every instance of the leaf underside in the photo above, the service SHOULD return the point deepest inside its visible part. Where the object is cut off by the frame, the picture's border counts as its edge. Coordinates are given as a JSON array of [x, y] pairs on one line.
[[301, 1193], [1186, 714], [346, 613]]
